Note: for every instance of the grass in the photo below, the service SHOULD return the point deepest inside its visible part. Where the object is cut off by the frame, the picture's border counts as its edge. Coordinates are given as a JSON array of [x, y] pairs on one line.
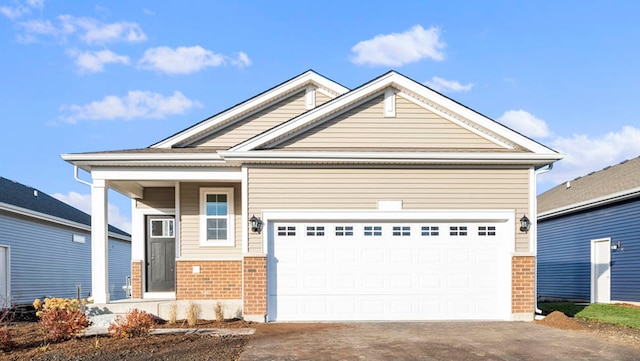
[[618, 315]]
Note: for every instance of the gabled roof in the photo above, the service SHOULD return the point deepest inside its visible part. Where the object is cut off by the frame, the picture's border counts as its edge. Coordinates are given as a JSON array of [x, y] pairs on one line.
[[251, 105], [19, 198], [507, 146], [611, 184], [409, 88]]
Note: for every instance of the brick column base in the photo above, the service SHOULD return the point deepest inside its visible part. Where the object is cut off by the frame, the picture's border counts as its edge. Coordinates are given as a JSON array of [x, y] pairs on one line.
[[255, 288], [136, 279], [523, 287]]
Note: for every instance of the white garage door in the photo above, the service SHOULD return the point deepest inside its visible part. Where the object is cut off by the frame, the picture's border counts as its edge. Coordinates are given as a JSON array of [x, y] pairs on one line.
[[389, 271]]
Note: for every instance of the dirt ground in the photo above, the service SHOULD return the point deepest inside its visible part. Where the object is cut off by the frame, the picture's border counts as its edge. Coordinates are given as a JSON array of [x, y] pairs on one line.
[[30, 345], [622, 335]]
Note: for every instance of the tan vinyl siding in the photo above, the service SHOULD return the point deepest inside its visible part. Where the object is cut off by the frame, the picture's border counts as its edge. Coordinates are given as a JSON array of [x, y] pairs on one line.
[[366, 127], [418, 189], [257, 123], [190, 248], [321, 98], [157, 197]]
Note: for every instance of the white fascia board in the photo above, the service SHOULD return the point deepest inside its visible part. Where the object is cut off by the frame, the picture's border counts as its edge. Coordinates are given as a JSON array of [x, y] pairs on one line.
[[595, 202], [274, 93], [161, 173], [400, 157], [124, 157], [54, 219]]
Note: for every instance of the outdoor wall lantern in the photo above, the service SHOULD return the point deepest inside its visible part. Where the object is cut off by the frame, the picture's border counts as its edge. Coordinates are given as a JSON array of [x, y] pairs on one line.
[[617, 246], [256, 224], [525, 224]]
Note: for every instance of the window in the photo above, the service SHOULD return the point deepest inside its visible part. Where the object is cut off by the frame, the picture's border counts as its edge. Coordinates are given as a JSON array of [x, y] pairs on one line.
[[162, 228], [286, 230], [458, 230], [373, 230], [315, 230], [487, 231], [430, 230], [344, 230], [401, 231], [216, 217]]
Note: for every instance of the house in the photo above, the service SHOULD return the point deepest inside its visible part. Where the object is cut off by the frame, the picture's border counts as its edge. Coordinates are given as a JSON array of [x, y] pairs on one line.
[[311, 201], [589, 237], [45, 248]]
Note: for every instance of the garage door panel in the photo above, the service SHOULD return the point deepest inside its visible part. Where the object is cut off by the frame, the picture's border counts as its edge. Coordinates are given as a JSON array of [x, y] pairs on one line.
[[416, 275]]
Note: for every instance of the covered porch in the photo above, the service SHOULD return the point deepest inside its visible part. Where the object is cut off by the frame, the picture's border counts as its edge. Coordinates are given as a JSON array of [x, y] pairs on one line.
[[166, 211]]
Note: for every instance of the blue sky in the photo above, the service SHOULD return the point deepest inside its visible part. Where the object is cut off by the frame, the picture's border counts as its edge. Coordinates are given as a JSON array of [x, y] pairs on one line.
[[81, 76]]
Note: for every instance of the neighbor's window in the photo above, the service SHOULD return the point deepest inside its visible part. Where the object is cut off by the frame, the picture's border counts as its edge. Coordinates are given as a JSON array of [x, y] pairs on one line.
[[216, 217]]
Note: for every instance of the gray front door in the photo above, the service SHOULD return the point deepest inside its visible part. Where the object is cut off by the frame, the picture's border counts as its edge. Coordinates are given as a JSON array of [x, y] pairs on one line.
[[161, 254]]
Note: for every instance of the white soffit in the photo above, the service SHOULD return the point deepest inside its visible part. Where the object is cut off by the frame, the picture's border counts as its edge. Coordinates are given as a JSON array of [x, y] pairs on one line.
[[259, 102]]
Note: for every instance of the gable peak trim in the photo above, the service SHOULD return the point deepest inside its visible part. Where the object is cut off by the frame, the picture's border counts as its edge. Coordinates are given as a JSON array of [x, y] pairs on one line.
[[259, 101]]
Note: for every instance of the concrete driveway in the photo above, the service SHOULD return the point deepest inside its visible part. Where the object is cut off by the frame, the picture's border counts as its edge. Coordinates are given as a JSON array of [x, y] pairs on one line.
[[463, 341]]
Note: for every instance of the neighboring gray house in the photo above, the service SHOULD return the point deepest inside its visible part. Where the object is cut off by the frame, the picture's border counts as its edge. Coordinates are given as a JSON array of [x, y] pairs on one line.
[[45, 248], [589, 237]]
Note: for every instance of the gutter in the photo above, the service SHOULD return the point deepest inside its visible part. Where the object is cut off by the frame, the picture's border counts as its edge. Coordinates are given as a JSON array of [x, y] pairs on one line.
[[538, 312], [54, 219]]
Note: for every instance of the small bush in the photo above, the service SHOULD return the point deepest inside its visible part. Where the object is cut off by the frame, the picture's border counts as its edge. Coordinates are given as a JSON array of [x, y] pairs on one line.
[[173, 314], [61, 319], [6, 341], [193, 313], [135, 323]]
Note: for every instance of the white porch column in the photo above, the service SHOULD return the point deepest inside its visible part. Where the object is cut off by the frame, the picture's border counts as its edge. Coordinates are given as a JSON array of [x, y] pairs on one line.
[[99, 242]]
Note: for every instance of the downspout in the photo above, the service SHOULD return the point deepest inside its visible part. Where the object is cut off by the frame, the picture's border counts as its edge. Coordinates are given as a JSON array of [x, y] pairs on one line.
[[535, 265], [76, 177]]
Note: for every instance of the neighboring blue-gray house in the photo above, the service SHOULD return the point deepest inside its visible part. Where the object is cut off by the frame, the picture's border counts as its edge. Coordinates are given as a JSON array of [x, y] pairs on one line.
[[589, 237], [45, 248]]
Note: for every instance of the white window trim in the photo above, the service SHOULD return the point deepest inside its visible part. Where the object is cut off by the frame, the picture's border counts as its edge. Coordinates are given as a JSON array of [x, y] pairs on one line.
[[230, 241]]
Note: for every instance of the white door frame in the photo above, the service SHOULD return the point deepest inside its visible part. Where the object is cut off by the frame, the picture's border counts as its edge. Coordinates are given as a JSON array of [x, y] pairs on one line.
[[602, 244]]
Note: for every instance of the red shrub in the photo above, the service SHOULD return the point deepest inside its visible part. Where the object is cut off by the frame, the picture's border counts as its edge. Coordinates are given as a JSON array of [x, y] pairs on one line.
[[135, 323], [59, 325]]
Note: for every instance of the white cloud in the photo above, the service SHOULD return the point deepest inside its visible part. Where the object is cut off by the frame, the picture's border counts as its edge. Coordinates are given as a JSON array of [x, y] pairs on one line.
[[186, 60], [444, 86], [83, 203], [96, 32], [19, 9], [585, 154], [136, 104], [37, 4], [88, 30], [398, 49], [94, 61], [525, 123], [13, 12]]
